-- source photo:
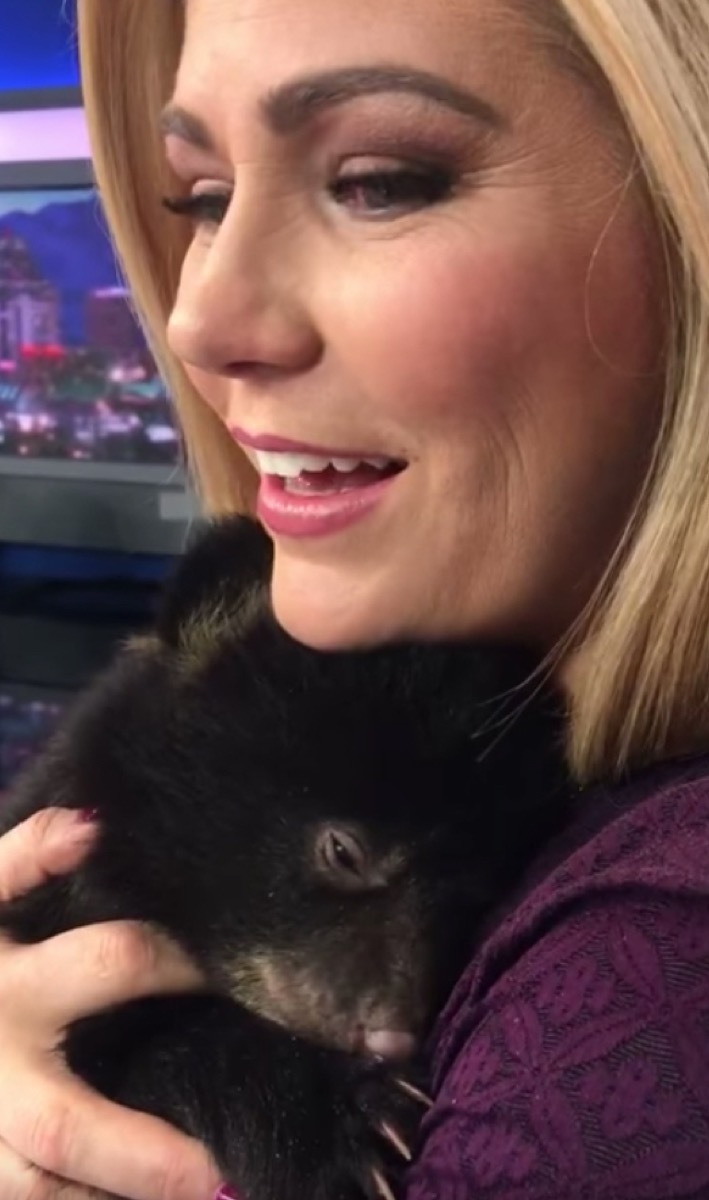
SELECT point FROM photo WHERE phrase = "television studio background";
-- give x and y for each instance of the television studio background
(93, 502)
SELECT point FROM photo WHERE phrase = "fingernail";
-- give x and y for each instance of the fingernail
(88, 815)
(225, 1193)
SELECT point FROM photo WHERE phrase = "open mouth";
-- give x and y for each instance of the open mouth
(311, 474)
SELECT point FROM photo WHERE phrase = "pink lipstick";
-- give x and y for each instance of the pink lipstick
(311, 491)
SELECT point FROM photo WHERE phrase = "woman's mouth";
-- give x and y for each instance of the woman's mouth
(312, 474)
(308, 494)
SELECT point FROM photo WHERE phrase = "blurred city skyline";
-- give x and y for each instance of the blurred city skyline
(77, 380)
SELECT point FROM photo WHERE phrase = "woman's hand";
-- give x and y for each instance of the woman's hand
(53, 1128)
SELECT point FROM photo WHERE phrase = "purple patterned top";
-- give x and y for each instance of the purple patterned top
(572, 1061)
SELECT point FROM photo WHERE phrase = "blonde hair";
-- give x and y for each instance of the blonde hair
(641, 692)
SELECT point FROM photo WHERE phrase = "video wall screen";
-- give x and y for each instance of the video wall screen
(38, 47)
(26, 724)
(77, 381)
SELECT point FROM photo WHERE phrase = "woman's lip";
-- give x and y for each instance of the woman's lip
(267, 441)
(297, 515)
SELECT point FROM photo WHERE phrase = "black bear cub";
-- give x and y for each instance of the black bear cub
(323, 833)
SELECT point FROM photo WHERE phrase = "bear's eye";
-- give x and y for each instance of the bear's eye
(343, 857)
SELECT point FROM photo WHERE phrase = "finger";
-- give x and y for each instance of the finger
(49, 843)
(20, 1180)
(91, 969)
(68, 1131)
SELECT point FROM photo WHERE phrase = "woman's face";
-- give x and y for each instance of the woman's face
(419, 241)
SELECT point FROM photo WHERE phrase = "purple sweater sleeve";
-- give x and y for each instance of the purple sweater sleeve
(572, 1062)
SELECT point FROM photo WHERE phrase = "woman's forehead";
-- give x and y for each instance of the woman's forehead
(377, 27)
(241, 49)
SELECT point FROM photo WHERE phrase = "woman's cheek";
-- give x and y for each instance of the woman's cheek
(434, 331)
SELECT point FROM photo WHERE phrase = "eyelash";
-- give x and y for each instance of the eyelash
(417, 188)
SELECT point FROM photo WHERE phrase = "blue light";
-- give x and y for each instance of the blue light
(37, 46)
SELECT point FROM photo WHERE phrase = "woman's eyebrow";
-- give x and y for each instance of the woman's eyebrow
(287, 108)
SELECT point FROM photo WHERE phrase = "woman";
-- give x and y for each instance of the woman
(449, 333)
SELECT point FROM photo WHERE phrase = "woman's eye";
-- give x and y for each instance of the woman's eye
(381, 193)
(203, 208)
(393, 192)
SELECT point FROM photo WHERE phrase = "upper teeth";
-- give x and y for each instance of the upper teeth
(290, 466)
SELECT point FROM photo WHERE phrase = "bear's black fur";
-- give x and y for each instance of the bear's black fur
(323, 833)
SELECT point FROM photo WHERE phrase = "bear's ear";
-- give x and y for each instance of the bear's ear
(223, 578)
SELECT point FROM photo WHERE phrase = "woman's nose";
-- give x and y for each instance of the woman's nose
(242, 305)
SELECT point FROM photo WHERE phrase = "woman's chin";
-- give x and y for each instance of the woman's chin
(325, 616)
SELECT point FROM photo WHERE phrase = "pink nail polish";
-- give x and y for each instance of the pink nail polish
(225, 1193)
(88, 815)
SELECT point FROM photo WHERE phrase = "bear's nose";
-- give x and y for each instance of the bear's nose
(389, 1043)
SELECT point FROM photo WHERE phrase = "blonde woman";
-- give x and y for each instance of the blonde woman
(430, 281)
